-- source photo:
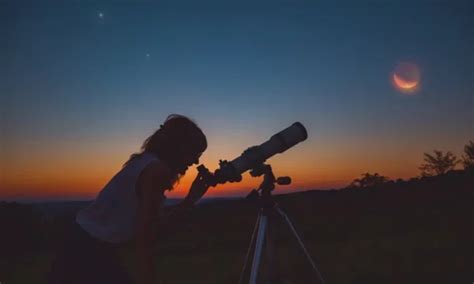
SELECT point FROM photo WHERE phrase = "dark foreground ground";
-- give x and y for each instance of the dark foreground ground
(417, 231)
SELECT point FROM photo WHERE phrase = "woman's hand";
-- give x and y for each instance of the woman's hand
(198, 189)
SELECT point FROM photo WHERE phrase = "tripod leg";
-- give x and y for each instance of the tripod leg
(308, 257)
(258, 249)
(252, 240)
(270, 251)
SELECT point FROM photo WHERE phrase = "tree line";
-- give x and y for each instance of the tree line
(436, 163)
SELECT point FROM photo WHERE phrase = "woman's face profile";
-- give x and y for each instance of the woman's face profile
(188, 159)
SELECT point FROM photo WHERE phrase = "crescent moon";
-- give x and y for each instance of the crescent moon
(403, 84)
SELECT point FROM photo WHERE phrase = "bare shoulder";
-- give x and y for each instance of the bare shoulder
(157, 167)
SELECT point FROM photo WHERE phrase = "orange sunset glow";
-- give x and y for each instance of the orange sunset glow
(66, 174)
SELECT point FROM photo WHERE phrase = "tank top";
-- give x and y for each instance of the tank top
(111, 217)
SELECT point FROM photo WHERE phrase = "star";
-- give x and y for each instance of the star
(101, 15)
(148, 55)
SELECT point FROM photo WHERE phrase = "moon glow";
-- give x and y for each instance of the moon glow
(406, 85)
(406, 77)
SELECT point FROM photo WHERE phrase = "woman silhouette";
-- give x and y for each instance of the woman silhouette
(129, 207)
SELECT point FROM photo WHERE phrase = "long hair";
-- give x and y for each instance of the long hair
(175, 136)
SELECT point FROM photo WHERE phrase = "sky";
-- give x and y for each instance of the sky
(86, 82)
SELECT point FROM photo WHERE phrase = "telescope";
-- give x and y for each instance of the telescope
(263, 236)
(255, 156)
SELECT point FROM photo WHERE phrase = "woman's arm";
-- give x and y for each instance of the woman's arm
(150, 188)
(176, 213)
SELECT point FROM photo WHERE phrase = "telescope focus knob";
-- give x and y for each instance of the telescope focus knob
(283, 180)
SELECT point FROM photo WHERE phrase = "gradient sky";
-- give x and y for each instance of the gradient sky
(86, 82)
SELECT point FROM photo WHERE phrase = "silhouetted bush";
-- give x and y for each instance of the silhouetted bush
(439, 163)
(468, 157)
(369, 180)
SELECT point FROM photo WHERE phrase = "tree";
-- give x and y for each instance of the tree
(439, 163)
(368, 180)
(468, 157)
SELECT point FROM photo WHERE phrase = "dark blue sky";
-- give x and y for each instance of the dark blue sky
(243, 70)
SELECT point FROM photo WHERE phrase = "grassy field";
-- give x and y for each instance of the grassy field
(409, 235)
(418, 256)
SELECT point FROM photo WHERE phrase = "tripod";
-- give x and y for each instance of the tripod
(268, 212)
